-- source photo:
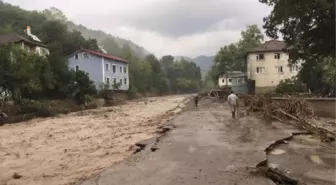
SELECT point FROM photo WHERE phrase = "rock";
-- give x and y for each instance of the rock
(16, 176)
(144, 143)
(154, 148)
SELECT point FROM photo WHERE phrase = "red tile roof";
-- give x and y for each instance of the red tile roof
(101, 55)
(272, 45)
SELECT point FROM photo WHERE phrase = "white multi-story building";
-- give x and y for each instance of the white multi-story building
(268, 64)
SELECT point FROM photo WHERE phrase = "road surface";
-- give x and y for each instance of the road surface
(206, 147)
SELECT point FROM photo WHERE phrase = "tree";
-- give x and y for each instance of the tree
(319, 75)
(55, 14)
(80, 85)
(167, 61)
(23, 74)
(156, 66)
(308, 27)
(232, 56)
(251, 38)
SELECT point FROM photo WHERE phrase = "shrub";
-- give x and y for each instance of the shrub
(80, 86)
(289, 86)
(39, 108)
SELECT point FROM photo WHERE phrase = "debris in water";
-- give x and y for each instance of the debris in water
(154, 148)
(16, 176)
(316, 159)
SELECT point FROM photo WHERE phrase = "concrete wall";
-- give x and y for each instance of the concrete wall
(271, 76)
(324, 107)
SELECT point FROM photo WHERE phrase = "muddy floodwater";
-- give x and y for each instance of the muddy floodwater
(65, 149)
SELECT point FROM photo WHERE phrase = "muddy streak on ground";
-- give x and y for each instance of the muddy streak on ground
(206, 147)
(64, 149)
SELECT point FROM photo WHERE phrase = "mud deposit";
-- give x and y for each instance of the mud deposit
(65, 149)
(304, 159)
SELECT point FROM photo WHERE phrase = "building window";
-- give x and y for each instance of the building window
(240, 80)
(280, 69)
(125, 81)
(77, 68)
(114, 81)
(260, 69)
(277, 56)
(107, 80)
(294, 68)
(114, 68)
(223, 80)
(260, 56)
(120, 68)
(107, 67)
(76, 56)
(230, 80)
(125, 69)
(86, 55)
(120, 81)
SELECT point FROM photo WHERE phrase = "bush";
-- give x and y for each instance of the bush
(132, 92)
(39, 108)
(80, 86)
(289, 86)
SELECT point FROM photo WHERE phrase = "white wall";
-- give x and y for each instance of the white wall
(270, 76)
(222, 81)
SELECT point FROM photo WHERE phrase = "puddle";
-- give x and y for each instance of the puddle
(304, 158)
(277, 151)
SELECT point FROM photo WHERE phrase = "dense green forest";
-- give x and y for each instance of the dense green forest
(34, 77)
(113, 45)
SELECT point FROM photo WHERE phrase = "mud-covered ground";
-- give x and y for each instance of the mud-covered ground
(65, 149)
(208, 147)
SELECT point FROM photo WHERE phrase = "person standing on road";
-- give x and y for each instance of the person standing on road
(233, 102)
(196, 100)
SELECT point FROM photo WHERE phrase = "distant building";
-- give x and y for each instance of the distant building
(28, 42)
(268, 64)
(237, 80)
(101, 67)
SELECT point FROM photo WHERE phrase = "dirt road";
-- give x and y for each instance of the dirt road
(65, 149)
(208, 147)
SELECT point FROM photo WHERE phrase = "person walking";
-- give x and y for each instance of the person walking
(233, 102)
(196, 100)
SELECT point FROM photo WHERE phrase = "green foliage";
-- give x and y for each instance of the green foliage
(28, 76)
(289, 86)
(319, 75)
(80, 85)
(39, 108)
(308, 27)
(232, 56)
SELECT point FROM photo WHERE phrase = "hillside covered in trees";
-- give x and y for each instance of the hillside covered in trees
(113, 45)
(35, 77)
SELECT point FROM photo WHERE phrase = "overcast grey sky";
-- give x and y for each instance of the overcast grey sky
(177, 27)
